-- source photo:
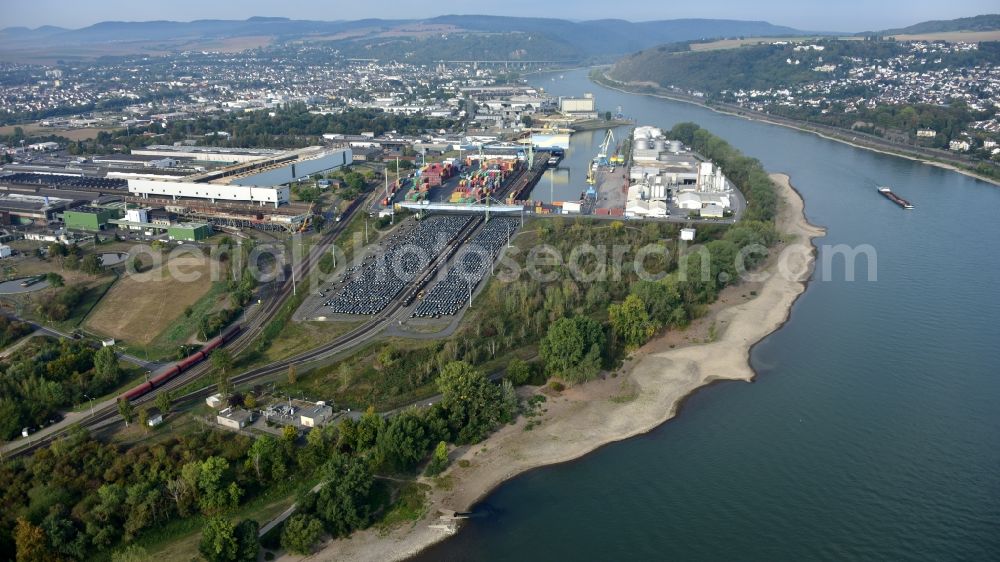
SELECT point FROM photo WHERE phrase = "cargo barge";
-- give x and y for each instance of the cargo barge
(888, 194)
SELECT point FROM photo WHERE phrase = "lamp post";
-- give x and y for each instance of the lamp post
(91, 404)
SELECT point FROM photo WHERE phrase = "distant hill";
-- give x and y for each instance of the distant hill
(986, 22)
(559, 39)
(614, 37)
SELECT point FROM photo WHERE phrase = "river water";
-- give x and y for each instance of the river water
(873, 429)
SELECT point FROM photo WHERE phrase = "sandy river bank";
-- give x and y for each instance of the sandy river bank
(646, 393)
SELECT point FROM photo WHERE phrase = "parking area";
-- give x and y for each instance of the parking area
(469, 267)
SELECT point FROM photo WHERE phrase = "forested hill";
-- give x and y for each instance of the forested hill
(986, 22)
(750, 67)
(760, 67)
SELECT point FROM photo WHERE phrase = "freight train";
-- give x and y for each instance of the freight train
(165, 374)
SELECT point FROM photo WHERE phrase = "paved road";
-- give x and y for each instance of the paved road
(13, 287)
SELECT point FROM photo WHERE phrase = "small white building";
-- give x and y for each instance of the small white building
(571, 207)
(688, 200)
(636, 208)
(959, 145)
(658, 209)
(712, 211)
(155, 418)
(5, 251)
(214, 401)
(234, 418)
(687, 234)
(137, 215)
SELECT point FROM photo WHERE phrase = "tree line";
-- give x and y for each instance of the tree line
(80, 497)
(47, 375)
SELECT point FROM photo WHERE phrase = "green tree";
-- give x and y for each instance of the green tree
(300, 533)
(247, 541)
(30, 542)
(106, 366)
(222, 361)
(471, 401)
(508, 401)
(162, 402)
(92, 264)
(630, 320)
(143, 416)
(265, 458)
(54, 279)
(369, 427)
(404, 441)
(439, 460)
(518, 371)
(343, 504)
(216, 492)
(562, 348)
(218, 540)
(125, 410)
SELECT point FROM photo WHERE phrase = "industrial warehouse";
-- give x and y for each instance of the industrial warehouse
(225, 187)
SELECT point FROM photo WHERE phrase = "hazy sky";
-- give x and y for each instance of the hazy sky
(814, 15)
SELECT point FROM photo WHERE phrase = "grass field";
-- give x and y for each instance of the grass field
(72, 134)
(142, 306)
(733, 43)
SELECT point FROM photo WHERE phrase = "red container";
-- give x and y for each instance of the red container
(136, 392)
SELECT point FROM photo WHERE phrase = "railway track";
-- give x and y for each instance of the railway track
(238, 345)
(108, 416)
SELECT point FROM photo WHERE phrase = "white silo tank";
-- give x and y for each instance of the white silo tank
(675, 146)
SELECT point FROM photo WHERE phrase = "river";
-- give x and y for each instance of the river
(873, 429)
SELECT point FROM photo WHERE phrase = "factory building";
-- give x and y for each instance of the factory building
(207, 153)
(189, 231)
(325, 162)
(177, 190)
(89, 218)
(584, 107)
(21, 209)
(664, 170)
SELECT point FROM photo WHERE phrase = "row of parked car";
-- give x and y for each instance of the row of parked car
(402, 256)
(471, 266)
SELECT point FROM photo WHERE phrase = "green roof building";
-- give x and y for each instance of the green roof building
(189, 231)
(89, 218)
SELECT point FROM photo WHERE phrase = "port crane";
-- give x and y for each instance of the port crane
(602, 156)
